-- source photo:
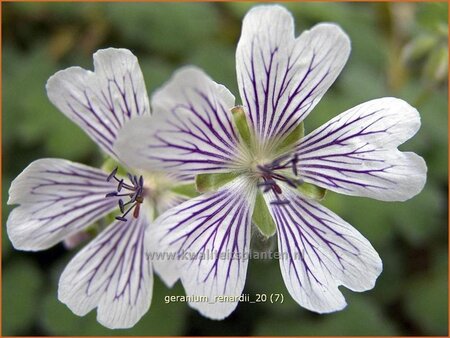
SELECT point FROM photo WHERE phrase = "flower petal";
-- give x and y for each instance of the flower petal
(320, 251)
(57, 199)
(281, 78)
(356, 152)
(112, 273)
(191, 130)
(205, 242)
(100, 102)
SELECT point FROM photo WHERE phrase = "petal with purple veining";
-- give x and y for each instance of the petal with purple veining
(356, 152)
(100, 102)
(56, 198)
(320, 251)
(190, 131)
(205, 242)
(112, 273)
(281, 78)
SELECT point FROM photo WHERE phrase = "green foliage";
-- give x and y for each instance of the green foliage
(361, 316)
(22, 283)
(171, 30)
(426, 299)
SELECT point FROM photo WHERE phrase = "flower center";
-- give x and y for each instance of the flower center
(135, 192)
(270, 174)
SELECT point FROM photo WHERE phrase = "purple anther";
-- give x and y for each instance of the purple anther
(280, 202)
(121, 206)
(112, 175)
(120, 185)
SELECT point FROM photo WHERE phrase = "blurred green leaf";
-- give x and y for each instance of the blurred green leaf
(388, 290)
(21, 290)
(6, 244)
(424, 224)
(209, 55)
(430, 15)
(419, 47)
(360, 317)
(155, 71)
(163, 26)
(372, 218)
(427, 300)
(257, 281)
(40, 120)
(436, 68)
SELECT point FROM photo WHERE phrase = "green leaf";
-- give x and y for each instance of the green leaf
(428, 208)
(6, 244)
(360, 318)
(241, 123)
(262, 217)
(188, 190)
(426, 300)
(165, 21)
(312, 191)
(436, 67)
(21, 291)
(212, 182)
(217, 52)
(419, 47)
(292, 138)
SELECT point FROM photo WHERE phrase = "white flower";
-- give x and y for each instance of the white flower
(58, 198)
(259, 151)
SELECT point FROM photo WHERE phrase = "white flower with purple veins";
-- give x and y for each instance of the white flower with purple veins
(259, 169)
(59, 200)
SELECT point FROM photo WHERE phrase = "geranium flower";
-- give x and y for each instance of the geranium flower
(258, 168)
(59, 199)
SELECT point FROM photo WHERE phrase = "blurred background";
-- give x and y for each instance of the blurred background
(398, 49)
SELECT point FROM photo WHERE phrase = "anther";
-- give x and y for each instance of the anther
(113, 174)
(280, 202)
(121, 206)
(119, 187)
(294, 164)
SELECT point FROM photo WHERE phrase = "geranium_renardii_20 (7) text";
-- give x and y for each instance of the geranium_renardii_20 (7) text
(256, 168)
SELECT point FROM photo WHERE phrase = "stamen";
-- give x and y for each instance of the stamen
(135, 194)
(280, 202)
(113, 174)
(121, 206)
(120, 186)
(270, 176)
(294, 164)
